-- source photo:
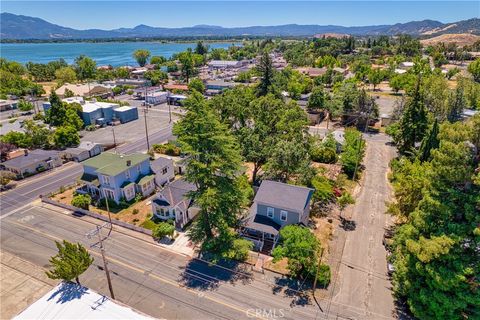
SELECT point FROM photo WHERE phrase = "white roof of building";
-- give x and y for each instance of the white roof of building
(124, 108)
(74, 99)
(224, 63)
(90, 106)
(71, 301)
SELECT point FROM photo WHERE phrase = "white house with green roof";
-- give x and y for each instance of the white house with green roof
(118, 176)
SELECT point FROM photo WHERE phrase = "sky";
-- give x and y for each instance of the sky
(118, 13)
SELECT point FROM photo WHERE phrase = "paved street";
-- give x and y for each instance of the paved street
(159, 282)
(363, 281)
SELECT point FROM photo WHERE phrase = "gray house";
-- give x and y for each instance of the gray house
(32, 162)
(275, 205)
(173, 203)
(85, 150)
(163, 169)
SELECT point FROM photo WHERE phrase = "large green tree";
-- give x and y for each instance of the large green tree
(141, 56)
(435, 251)
(413, 123)
(57, 114)
(474, 69)
(85, 67)
(213, 165)
(70, 262)
(302, 249)
(266, 72)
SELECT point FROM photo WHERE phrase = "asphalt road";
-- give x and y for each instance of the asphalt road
(153, 280)
(31, 188)
(363, 282)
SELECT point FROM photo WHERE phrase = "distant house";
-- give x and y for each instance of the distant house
(176, 99)
(177, 87)
(313, 72)
(32, 162)
(92, 89)
(217, 86)
(224, 64)
(8, 105)
(275, 206)
(173, 203)
(157, 97)
(84, 151)
(118, 176)
(164, 170)
(339, 137)
(406, 64)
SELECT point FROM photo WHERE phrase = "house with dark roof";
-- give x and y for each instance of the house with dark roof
(117, 176)
(32, 162)
(275, 206)
(174, 203)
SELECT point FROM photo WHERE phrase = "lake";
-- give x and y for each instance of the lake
(105, 53)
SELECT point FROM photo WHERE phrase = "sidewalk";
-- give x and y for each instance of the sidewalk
(21, 283)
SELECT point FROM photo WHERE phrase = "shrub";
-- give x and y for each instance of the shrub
(324, 275)
(241, 247)
(323, 189)
(323, 154)
(167, 148)
(353, 152)
(135, 211)
(81, 201)
(163, 229)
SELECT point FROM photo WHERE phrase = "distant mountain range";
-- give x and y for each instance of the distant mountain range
(18, 27)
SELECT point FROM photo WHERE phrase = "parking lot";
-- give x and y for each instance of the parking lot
(157, 119)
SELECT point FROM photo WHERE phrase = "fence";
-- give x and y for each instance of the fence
(96, 216)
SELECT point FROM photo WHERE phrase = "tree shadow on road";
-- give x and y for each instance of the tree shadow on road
(292, 288)
(347, 225)
(201, 275)
(68, 291)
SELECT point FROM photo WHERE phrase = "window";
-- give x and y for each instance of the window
(129, 194)
(127, 174)
(173, 212)
(164, 170)
(270, 212)
(162, 212)
(138, 169)
(283, 215)
(106, 180)
(108, 194)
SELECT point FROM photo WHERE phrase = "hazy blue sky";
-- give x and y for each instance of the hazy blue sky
(114, 14)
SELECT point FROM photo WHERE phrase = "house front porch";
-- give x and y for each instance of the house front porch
(262, 231)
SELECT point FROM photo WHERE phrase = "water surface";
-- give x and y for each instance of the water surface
(105, 53)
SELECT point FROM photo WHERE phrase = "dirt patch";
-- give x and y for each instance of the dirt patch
(135, 214)
(279, 266)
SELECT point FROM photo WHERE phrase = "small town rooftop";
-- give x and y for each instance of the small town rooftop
(112, 164)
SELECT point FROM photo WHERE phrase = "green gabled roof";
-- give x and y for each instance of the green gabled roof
(145, 178)
(90, 178)
(112, 164)
(126, 184)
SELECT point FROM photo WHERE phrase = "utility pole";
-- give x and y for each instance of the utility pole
(169, 112)
(114, 140)
(89, 235)
(145, 117)
(109, 215)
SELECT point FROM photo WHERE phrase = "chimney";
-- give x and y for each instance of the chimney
(25, 152)
(129, 163)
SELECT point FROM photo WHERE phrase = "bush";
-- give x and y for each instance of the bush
(135, 211)
(162, 230)
(81, 201)
(323, 189)
(324, 275)
(167, 148)
(353, 152)
(240, 249)
(323, 154)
